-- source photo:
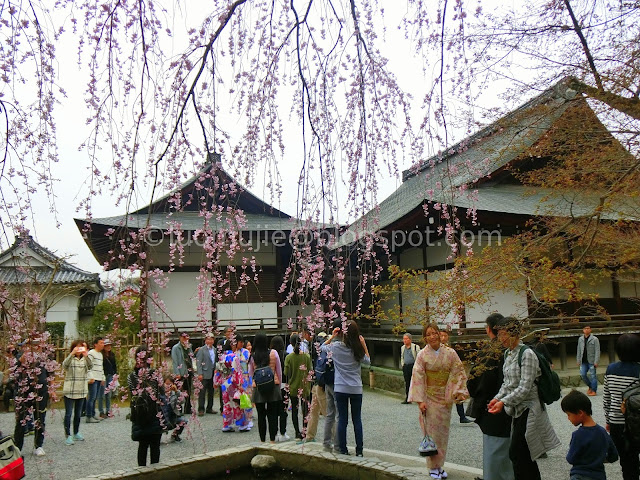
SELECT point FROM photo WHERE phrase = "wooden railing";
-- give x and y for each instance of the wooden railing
(557, 327)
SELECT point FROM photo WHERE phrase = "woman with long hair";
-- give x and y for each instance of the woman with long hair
(348, 352)
(75, 388)
(437, 381)
(266, 402)
(277, 344)
(298, 369)
(146, 429)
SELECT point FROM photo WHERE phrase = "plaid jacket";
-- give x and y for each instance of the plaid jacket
(75, 376)
(519, 390)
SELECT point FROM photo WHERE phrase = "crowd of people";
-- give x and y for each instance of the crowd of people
(319, 373)
(505, 387)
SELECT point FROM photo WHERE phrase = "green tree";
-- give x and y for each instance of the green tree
(119, 314)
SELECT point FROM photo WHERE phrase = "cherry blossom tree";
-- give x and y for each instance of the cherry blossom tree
(307, 86)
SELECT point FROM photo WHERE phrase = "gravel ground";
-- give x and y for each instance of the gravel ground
(388, 426)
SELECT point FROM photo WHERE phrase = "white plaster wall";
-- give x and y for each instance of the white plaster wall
(413, 299)
(180, 297)
(437, 254)
(65, 310)
(629, 285)
(449, 318)
(411, 259)
(249, 314)
(24, 257)
(390, 304)
(507, 302)
(594, 283)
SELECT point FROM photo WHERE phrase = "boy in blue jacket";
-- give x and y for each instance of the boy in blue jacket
(591, 446)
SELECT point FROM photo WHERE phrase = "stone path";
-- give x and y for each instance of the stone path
(391, 432)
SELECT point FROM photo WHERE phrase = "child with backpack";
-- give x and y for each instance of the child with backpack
(172, 410)
(618, 378)
(591, 446)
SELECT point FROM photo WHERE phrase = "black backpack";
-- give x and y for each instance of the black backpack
(144, 409)
(264, 380)
(549, 382)
(324, 370)
(631, 402)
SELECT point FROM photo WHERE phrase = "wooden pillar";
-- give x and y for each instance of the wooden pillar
(396, 354)
(563, 354)
(611, 346)
(372, 349)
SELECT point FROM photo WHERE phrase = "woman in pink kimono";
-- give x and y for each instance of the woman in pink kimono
(437, 381)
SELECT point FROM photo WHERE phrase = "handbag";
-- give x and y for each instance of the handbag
(11, 463)
(245, 401)
(427, 447)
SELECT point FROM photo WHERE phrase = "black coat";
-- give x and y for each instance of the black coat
(485, 380)
(140, 429)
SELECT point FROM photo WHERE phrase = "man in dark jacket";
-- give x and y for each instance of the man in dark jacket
(484, 382)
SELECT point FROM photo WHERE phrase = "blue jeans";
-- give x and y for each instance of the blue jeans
(101, 387)
(588, 374)
(342, 401)
(91, 400)
(72, 405)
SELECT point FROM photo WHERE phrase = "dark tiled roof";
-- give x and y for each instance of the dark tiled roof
(65, 273)
(439, 179)
(194, 221)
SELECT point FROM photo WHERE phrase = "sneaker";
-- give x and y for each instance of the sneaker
(250, 425)
(405, 403)
(244, 428)
(39, 452)
(278, 438)
(327, 448)
(93, 420)
(435, 473)
(103, 415)
(69, 440)
(298, 436)
(359, 455)
(465, 420)
(592, 393)
(284, 437)
(443, 474)
(227, 429)
(176, 438)
(78, 437)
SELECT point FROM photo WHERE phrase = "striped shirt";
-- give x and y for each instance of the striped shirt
(618, 377)
(519, 390)
(75, 376)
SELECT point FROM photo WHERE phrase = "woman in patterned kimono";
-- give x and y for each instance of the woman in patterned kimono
(437, 381)
(229, 377)
(243, 356)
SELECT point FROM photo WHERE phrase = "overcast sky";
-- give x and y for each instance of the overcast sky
(72, 171)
